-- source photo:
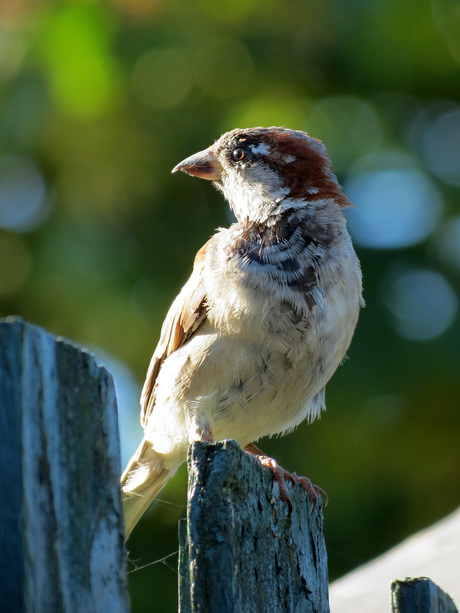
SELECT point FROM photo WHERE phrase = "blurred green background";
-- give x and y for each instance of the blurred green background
(99, 100)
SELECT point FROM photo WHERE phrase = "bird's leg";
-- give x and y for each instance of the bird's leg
(200, 431)
(281, 475)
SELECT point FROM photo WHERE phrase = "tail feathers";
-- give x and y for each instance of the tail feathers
(141, 483)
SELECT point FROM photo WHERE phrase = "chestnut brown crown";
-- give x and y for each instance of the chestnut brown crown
(267, 165)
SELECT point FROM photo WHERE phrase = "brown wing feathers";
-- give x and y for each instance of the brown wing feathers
(185, 316)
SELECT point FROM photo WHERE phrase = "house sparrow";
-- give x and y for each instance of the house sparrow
(266, 317)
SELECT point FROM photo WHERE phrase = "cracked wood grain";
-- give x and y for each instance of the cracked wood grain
(61, 529)
(240, 550)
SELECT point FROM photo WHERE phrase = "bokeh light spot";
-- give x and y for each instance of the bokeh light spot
(447, 17)
(223, 67)
(441, 147)
(269, 110)
(395, 207)
(23, 204)
(422, 303)
(82, 71)
(12, 53)
(349, 128)
(161, 78)
(434, 134)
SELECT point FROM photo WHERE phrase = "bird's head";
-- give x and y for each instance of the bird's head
(262, 171)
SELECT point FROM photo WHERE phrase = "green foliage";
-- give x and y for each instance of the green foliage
(99, 100)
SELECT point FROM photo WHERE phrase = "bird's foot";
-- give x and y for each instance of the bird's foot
(281, 476)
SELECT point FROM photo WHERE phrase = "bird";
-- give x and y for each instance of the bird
(264, 320)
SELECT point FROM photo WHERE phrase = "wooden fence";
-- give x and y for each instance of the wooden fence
(61, 533)
(61, 525)
(239, 549)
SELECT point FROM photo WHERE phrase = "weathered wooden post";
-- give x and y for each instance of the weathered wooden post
(240, 551)
(420, 595)
(61, 529)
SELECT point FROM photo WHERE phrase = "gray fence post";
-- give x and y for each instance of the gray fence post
(240, 551)
(420, 595)
(61, 528)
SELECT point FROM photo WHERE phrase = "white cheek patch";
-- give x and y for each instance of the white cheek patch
(252, 191)
(288, 159)
(262, 148)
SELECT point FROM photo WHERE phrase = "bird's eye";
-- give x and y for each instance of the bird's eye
(239, 154)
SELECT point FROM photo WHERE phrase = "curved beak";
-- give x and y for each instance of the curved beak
(203, 165)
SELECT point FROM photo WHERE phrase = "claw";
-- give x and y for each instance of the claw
(314, 492)
(281, 475)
